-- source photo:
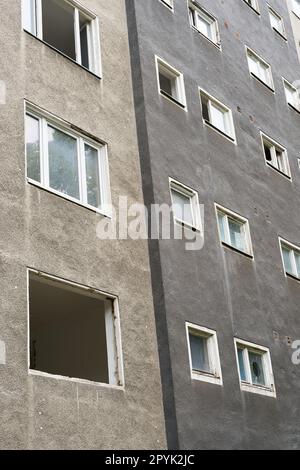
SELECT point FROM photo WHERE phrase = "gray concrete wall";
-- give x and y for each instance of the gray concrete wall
(216, 287)
(45, 232)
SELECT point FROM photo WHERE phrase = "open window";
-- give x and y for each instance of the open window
(234, 230)
(170, 83)
(217, 115)
(67, 28)
(74, 331)
(276, 156)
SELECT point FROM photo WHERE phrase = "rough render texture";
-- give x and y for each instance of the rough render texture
(48, 233)
(217, 287)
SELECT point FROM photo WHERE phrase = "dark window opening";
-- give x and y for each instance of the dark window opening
(84, 24)
(204, 102)
(166, 84)
(268, 153)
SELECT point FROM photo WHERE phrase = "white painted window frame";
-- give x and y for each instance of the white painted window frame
(103, 165)
(194, 202)
(93, 35)
(259, 60)
(197, 8)
(213, 355)
(113, 332)
(227, 112)
(247, 386)
(296, 8)
(287, 84)
(168, 3)
(273, 12)
(227, 213)
(273, 164)
(254, 8)
(162, 65)
(292, 248)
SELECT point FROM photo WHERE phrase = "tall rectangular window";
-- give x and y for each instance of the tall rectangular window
(260, 69)
(276, 22)
(204, 22)
(66, 27)
(234, 230)
(170, 82)
(66, 163)
(185, 205)
(291, 258)
(217, 115)
(291, 95)
(276, 156)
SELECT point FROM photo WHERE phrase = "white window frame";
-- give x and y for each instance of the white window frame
(46, 119)
(270, 83)
(162, 65)
(93, 38)
(296, 8)
(227, 112)
(273, 12)
(299, 163)
(247, 386)
(254, 7)
(169, 4)
(290, 246)
(273, 165)
(113, 331)
(213, 355)
(194, 201)
(197, 8)
(246, 230)
(287, 84)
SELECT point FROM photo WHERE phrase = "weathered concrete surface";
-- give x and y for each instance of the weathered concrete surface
(48, 233)
(216, 287)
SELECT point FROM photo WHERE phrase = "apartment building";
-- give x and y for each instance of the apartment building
(78, 352)
(218, 124)
(294, 9)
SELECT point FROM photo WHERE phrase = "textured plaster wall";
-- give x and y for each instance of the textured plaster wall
(216, 287)
(48, 233)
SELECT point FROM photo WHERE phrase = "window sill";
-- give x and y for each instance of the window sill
(280, 34)
(63, 55)
(217, 45)
(38, 373)
(206, 377)
(248, 255)
(292, 276)
(68, 198)
(262, 82)
(268, 392)
(294, 108)
(173, 100)
(252, 8)
(279, 171)
(231, 139)
(182, 224)
(171, 8)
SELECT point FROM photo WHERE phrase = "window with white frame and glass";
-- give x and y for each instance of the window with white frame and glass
(291, 95)
(234, 230)
(170, 82)
(296, 7)
(259, 68)
(66, 27)
(291, 258)
(255, 368)
(276, 21)
(253, 4)
(217, 115)
(185, 205)
(204, 22)
(203, 354)
(276, 156)
(66, 162)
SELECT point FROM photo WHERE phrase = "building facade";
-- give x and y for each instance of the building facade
(79, 361)
(294, 9)
(218, 124)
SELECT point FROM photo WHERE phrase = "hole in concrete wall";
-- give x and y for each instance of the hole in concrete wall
(71, 331)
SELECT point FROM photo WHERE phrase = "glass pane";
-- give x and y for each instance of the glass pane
(63, 163)
(286, 253)
(257, 371)
(243, 376)
(199, 353)
(33, 148)
(166, 84)
(222, 222)
(297, 259)
(58, 26)
(182, 207)
(29, 16)
(237, 235)
(84, 40)
(92, 176)
(218, 117)
(204, 26)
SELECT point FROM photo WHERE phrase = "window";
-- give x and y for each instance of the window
(291, 94)
(217, 115)
(260, 69)
(65, 27)
(255, 369)
(296, 7)
(204, 22)
(185, 205)
(74, 331)
(276, 22)
(168, 3)
(291, 258)
(203, 354)
(65, 162)
(253, 4)
(234, 230)
(170, 83)
(276, 156)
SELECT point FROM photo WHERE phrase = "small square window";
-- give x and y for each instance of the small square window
(204, 23)
(170, 83)
(276, 22)
(217, 115)
(234, 230)
(276, 156)
(185, 205)
(253, 4)
(291, 95)
(260, 69)
(291, 258)
(203, 354)
(254, 367)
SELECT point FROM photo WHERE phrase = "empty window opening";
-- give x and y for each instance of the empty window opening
(72, 331)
